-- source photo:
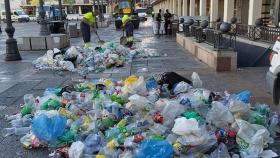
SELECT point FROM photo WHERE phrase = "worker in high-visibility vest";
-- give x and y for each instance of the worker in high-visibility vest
(88, 21)
(128, 26)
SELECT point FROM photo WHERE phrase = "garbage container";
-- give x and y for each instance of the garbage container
(174, 28)
(136, 23)
(73, 30)
(118, 23)
(55, 26)
(186, 29)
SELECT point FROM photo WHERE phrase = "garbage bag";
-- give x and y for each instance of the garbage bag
(93, 144)
(71, 54)
(76, 150)
(197, 83)
(171, 111)
(220, 152)
(219, 115)
(185, 126)
(155, 149)
(189, 131)
(251, 138)
(137, 102)
(171, 78)
(140, 86)
(181, 87)
(244, 96)
(48, 129)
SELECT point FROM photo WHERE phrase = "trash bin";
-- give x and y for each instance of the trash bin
(73, 30)
(55, 26)
(136, 23)
(174, 28)
(186, 29)
(118, 24)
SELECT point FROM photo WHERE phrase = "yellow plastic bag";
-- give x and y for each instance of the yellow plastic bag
(130, 81)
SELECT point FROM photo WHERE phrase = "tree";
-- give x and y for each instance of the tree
(34, 2)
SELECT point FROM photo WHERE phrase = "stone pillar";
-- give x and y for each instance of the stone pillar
(80, 10)
(192, 7)
(202, 8)
(214, 7)
(185, 8)
(175, 8)
(228, 10)
(255, 11)
(179, 8)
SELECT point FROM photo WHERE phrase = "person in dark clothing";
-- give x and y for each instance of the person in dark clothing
(167, 18)
(128, 26)
(158, 19)
(89, 20)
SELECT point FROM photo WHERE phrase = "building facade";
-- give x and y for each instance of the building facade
(69, 6)
(246, 11)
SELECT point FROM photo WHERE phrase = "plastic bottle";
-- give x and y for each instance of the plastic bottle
(197, 83)
(29, 99)
(23, 122)
(274, 120)
(17, 131)
(12, 117)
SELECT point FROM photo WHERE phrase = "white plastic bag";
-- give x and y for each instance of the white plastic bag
(197, 83)
(257, 136)
(67, 65)
(185, 126)
(182, 87)
(71, 52)
(171, 111)
(219, 115)
(140, 87)
(76, 150)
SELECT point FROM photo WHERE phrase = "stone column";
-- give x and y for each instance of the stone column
(80, 10)
(192, 7)
(255, 11)
(228, 10)
(179, 8)
(202, 8)
(175, 8)
(214, 6)
(185, 8)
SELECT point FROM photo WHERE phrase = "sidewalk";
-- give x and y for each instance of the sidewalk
(19, 78)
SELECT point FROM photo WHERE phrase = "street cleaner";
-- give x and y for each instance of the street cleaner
(128, 27)
(89, 20)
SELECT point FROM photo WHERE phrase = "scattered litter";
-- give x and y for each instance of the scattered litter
(164, 115)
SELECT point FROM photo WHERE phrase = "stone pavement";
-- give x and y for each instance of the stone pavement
(19, 78)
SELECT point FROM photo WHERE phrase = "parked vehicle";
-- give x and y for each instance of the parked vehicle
(142, 13)
(52, 13)
(16, 16)
(273, 75)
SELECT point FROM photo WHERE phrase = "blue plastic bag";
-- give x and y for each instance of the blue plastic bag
(151, 84)
(48, 129)
(244, 96)
(155, 149)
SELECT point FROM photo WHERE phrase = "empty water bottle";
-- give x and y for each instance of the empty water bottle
(17, 131)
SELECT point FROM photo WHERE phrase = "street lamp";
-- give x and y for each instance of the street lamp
(61, 29)
(12, 52)
(44, 30)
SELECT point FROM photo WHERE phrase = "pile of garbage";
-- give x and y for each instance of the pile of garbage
(162, 116)
(83, 61)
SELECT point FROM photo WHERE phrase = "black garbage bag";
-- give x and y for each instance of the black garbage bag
(171, 78)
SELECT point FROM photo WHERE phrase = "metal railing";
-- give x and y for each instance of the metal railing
(262, 33)
(210, 36)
